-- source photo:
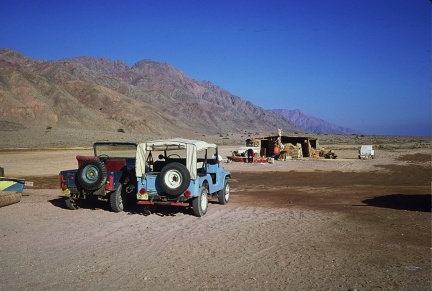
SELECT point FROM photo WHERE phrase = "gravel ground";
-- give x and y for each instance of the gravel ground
(307, 224)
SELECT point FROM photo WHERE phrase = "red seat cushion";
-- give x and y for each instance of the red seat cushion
(112, 165)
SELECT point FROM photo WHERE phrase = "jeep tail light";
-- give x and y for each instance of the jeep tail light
(62, 184)
(187, 193)
(142, 191)
(109, 185)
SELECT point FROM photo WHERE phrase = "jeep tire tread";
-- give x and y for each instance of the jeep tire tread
(118, 199)
(200, 203)
(224, 193)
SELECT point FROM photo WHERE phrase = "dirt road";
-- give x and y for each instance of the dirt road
(343, 225)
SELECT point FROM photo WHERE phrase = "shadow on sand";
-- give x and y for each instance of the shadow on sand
(58, 202)
(90, 203)
(94, 204)
(414, 202)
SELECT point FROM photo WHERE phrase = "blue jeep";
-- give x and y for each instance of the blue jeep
(108, 175)
(185, 173)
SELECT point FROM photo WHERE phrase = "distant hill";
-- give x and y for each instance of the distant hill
(101, 94)
(312, 124)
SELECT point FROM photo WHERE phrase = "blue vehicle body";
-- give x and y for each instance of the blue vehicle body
(187, 173)
(214, 178)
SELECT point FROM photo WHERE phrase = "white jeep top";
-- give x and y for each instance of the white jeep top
(191, 147)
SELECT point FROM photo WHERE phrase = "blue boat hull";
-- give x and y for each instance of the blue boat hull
(11, 184)
(10, 190)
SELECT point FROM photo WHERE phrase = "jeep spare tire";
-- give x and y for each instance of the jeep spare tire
(92, 174)
(174, 179)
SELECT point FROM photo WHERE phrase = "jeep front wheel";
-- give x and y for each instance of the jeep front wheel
(200, 204)
(92, 174)
(174, 179)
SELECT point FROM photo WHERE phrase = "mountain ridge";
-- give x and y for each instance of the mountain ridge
(148, 97)
(313, 124)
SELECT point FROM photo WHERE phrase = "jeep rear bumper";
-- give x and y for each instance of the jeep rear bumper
(183, 204)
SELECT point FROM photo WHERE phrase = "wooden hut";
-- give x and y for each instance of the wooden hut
(270, 146)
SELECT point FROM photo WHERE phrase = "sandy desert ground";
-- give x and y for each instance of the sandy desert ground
(344, 224)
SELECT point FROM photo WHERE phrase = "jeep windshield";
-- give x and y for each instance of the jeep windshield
(115, 150)
(209, 153)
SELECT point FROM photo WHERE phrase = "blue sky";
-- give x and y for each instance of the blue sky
(364, 64)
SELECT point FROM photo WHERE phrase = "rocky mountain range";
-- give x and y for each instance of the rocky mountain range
(312, 124)
(100, 94)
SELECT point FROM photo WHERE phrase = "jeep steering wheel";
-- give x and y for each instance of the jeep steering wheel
(103, 157)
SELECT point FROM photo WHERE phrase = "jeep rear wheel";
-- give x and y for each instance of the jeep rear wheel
(200, 204)
(224, 194)
(92, 174)
(118, 199)
(174, 179)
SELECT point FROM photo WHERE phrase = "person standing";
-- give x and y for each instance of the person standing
(250, 154)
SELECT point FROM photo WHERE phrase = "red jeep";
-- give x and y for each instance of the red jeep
(107, 175)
